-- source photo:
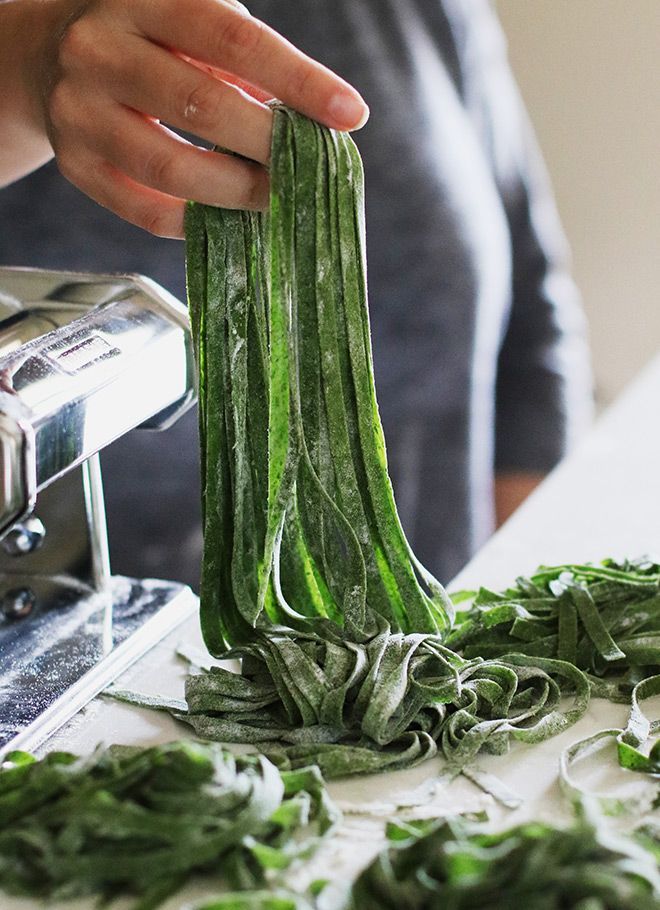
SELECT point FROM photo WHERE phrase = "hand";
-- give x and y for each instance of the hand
(116, 70)
(511, 490)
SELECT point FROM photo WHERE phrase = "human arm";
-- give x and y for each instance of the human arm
(511, 489)
(544, 383)
(24, 145)
(91, 82)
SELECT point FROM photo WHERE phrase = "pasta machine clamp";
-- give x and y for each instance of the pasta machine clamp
(83, 360)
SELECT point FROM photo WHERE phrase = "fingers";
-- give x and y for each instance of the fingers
(119, 67)
(222, 35)
(146, 208)
(238, 5)
(153, 81)
(131, 149)
(155, 157)
(232, 80)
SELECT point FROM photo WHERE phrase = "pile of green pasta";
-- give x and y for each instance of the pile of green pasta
(461, 865)
(143, 820)
(392, 702)
(444, 702)
(351, 655)
(604, 619)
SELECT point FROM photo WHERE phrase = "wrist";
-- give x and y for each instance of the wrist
(511, 490)
(29, 37)
(45, 21)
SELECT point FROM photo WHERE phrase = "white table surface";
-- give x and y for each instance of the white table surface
(604, 500)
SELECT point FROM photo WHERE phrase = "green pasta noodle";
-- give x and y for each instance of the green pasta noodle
(462, 865)
(142, 821)
(307, 574)
(603, 618)
(352, 655)
(636, 751)
(300, 524)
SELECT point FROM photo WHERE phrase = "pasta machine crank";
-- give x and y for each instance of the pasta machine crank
(83, 360)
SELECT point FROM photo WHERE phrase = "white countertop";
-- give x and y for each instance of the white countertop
(602, 501)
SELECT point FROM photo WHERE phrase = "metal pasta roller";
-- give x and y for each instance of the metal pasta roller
(83, 360)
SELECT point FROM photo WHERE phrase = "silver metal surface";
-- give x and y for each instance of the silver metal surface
(25, 537)
(116, 353)
(83, 360)
(73, 557)
(54, 661)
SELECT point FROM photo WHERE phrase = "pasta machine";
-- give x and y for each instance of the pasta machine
(83, 360)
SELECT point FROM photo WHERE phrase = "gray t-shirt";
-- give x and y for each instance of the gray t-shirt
(481, 362)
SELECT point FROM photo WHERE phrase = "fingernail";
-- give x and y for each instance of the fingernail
(349, 110)
(241, 7)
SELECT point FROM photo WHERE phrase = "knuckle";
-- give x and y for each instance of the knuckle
(154, 220)
(160, 171)
(76, 43)
(301, 81)
(255, 190)
(240, 37)
(87, 46)
(200, 105)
